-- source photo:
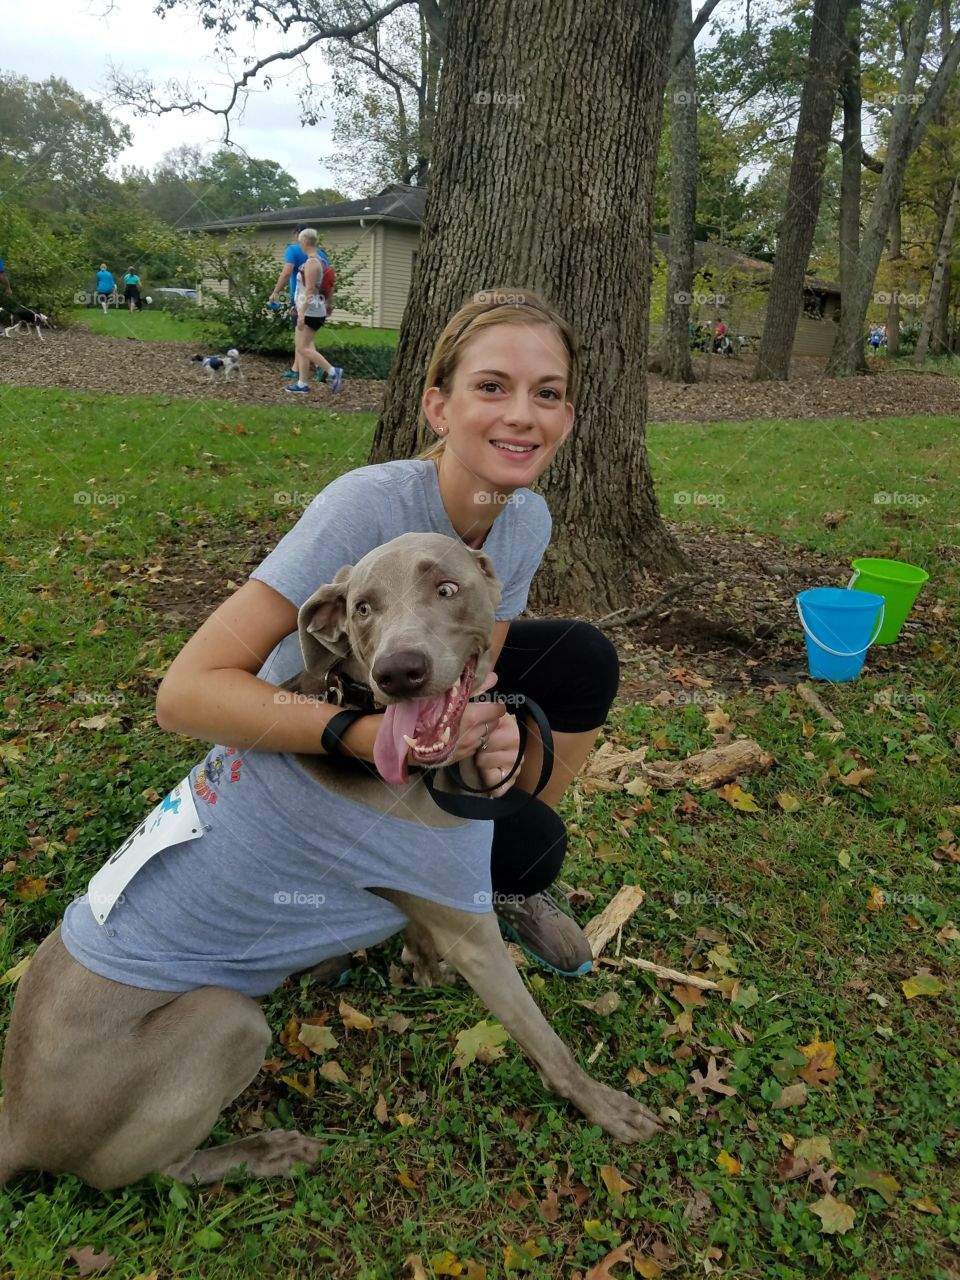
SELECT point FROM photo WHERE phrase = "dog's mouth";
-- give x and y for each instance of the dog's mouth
(427, 725)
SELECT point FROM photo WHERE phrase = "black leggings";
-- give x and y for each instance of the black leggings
(571, 670)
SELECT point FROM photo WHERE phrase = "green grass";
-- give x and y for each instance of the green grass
(177, 495)
(155, 325)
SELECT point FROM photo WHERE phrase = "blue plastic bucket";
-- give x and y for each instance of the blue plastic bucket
(840, 626)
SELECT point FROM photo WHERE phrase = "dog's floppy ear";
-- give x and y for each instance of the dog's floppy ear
(491, 581)
(322, 623)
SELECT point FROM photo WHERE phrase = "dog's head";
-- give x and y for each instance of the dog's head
(414, 620)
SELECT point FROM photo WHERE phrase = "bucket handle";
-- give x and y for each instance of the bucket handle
(856, 575)
(838, 653)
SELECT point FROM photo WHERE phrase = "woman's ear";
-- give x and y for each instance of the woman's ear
(434, 404)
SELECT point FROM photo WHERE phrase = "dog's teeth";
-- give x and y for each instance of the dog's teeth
(445, 736)
(411, 742)
(455, 687)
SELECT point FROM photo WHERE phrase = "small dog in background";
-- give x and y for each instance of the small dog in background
(23, 320)
(224, 366)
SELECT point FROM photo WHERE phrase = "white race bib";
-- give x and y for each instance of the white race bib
(171, 822)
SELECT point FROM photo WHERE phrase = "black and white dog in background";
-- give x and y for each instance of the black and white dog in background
(23, 320)
(226, 366)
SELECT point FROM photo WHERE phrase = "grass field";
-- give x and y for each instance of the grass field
(819, 904)
(155, 325)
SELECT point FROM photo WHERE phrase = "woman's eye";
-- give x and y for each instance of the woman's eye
(447, 589)
(362, 610)
(489, 386)
(549, 391)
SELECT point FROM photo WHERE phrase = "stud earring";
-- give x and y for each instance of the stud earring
(441, 431)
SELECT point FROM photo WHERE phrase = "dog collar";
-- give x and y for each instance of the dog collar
(344, 692)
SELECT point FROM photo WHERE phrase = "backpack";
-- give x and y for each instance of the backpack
(328, 282)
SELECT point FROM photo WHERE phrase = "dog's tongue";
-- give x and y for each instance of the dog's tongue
(390, 750)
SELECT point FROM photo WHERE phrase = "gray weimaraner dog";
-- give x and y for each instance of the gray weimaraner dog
(112, 1081)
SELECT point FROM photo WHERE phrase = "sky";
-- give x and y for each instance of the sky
(78, 39)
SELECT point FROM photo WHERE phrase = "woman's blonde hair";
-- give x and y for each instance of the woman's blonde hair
(485, 309)
(309, 235)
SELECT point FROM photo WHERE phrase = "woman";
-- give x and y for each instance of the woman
(131, 291)
(311, 308)
(106, 287)
(500, 394)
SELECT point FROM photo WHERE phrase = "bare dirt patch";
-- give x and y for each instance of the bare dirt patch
(79, 360)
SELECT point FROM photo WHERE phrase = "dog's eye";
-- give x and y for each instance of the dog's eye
(447, 589)
(362, 609)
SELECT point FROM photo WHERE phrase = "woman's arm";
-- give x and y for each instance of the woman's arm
(211, 690)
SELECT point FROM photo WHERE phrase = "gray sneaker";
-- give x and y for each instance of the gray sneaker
(334, 972)
(546, 934)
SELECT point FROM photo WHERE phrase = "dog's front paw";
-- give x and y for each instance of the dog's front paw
(426, 968)
(618, 1114)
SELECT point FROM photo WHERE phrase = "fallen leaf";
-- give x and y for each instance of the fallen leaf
(398, 1023)
(608, 1003)
(718, 721)
(317, 1039)
(835, 1216)
(813, 1149)
(647, 1267)
(333, 1072)
(794, 1095)
(614, 1181)
(856, 777)
(832, 518)
(550, 1206)
(922, 984)
(635, 1076)
(720, 957)
(949, 933)
(413, 1268)
(404, 1120)
(480, 1043)
(354, 1019)
(926, 1205)
(876, 899)
(19, 969)
(100, 629)
(88, 1261)
(746, 997)
(602, 1270)
(10, 753)
(446, 1264)
(30, 888)
(873, 1180)
(729, 1164)
(821, 1065)
(713, 1080)
(738, 799)
(98, 722)
(521, 1257)
(380, 1110)
(305, 1082)
(787, 802)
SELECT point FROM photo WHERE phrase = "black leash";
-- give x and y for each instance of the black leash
(470, 805)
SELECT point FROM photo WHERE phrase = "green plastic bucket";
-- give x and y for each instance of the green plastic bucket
(899, 584)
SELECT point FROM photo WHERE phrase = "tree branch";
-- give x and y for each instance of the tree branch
(699, 22)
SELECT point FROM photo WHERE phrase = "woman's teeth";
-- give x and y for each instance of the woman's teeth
(514, 448)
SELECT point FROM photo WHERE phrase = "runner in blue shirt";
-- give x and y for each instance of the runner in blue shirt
(293, 260)
(4, 281)
(106, 287)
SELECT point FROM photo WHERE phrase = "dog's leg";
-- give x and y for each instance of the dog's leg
(473, 945)
(111, 1082)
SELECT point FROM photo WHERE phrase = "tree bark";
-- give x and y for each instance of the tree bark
(804, 189)
(944, 247)
(851, 150)
(893, 308)
(906, 130)
(540, 182)
(676, 364)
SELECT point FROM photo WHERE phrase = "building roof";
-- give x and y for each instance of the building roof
(708, 251)
(395, 203)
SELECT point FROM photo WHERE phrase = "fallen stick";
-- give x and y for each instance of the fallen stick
(610, 620)
(673, 975)
(812, 699)
(708, 769)
(614, 916)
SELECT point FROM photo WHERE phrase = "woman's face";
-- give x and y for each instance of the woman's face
(505, 415)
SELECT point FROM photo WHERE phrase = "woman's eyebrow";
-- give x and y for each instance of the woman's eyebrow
(499, 373)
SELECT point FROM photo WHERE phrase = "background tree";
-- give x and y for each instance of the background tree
(817, 103)
(502, 210)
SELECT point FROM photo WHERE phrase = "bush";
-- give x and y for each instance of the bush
(359, 362)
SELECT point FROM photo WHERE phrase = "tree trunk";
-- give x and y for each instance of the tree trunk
(906, 130)
(545, 180)
(804, 189)
(939, 274)
(676, 364)
(851, 149)
(893, 308)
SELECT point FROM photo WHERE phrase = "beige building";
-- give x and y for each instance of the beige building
(384, 228)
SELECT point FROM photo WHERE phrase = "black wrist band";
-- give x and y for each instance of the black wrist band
(331, 740)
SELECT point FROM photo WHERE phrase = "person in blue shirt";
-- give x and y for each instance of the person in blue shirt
(131, 291)
(4, 281)
(293, 259)
(106, 287)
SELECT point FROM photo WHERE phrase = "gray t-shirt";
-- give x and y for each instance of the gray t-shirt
(280, 878)
(369, 506)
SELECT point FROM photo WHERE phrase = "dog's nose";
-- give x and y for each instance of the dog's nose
(401, 674)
